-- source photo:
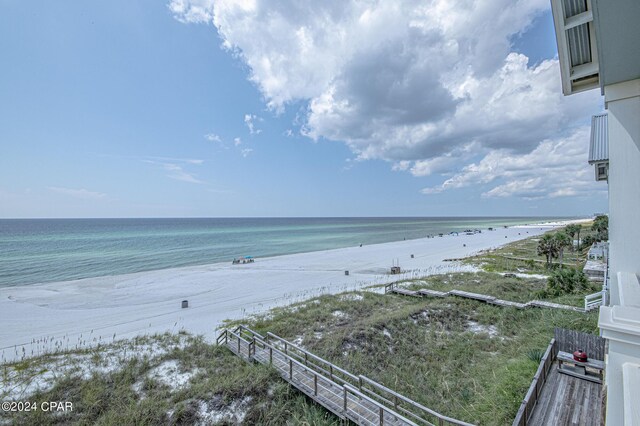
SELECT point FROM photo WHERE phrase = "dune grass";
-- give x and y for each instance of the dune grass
(221, 388)
(462, 358)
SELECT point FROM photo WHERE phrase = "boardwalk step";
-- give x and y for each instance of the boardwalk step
(544, 304)
(486, 298)
(469, 295)
(433, 293)
(406, 292)
(501, 302)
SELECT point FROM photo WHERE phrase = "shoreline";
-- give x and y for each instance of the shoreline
(42, 317)
(45, 252)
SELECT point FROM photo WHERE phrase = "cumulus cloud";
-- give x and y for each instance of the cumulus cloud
(81, 193)
(426, 85)
(555, 168)
(192, 11)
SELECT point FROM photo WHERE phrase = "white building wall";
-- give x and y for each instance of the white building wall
(623, 103)
(620, 322)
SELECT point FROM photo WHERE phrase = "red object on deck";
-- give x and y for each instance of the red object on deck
(580, 355)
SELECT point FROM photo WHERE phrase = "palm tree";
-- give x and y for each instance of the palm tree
(547, 246)
(601, 226)
(571, 231)
(562, 240)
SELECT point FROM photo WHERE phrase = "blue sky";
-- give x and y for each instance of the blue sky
(238, 108)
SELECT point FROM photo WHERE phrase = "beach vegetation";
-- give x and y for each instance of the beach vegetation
(572, 231)
(548, 247)
(601, 227)
(183, 380)
(523, 256)
(561, 240)
(568, 281)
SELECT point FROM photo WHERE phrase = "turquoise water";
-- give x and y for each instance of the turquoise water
(45, 250)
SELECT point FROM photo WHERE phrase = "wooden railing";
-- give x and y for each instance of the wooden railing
(244, 342)
(406, 406)
(321, 365)
(365, 385)
(531, 398)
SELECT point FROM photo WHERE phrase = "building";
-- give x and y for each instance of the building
(598, 47)
(596, 266)
(599, 146)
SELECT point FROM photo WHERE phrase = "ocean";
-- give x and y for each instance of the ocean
(46, 250)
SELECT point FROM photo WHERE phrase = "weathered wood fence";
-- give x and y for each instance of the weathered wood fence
(531, 398)
(571, 340)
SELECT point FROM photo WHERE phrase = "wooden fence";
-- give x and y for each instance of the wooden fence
(531, 398)
(571, 340)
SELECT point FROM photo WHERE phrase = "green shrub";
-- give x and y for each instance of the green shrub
(567, 281)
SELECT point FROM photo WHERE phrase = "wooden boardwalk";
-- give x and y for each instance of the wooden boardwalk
(567, 400)
(391, 288)
(350, 397)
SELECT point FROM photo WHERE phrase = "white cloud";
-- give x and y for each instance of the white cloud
(237, 141)
(194, 161)
(249, 121)
(556, 168)
(212, 137)
(82, 193)
(525, 188)
(246, 151)
(427, 85)
(192, 11)
(158, 160)
(175, 169)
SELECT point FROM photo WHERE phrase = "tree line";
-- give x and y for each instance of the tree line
(552, 246)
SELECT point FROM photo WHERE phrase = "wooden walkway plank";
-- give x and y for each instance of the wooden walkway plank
(433, 293)
(501, 302)
(469, 295)
(567, 400)
(544, 304)
(484, 298)
(406, 292)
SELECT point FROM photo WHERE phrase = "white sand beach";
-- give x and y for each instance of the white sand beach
(36, 318)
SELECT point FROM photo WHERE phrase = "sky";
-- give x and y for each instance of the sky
(255, 108)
